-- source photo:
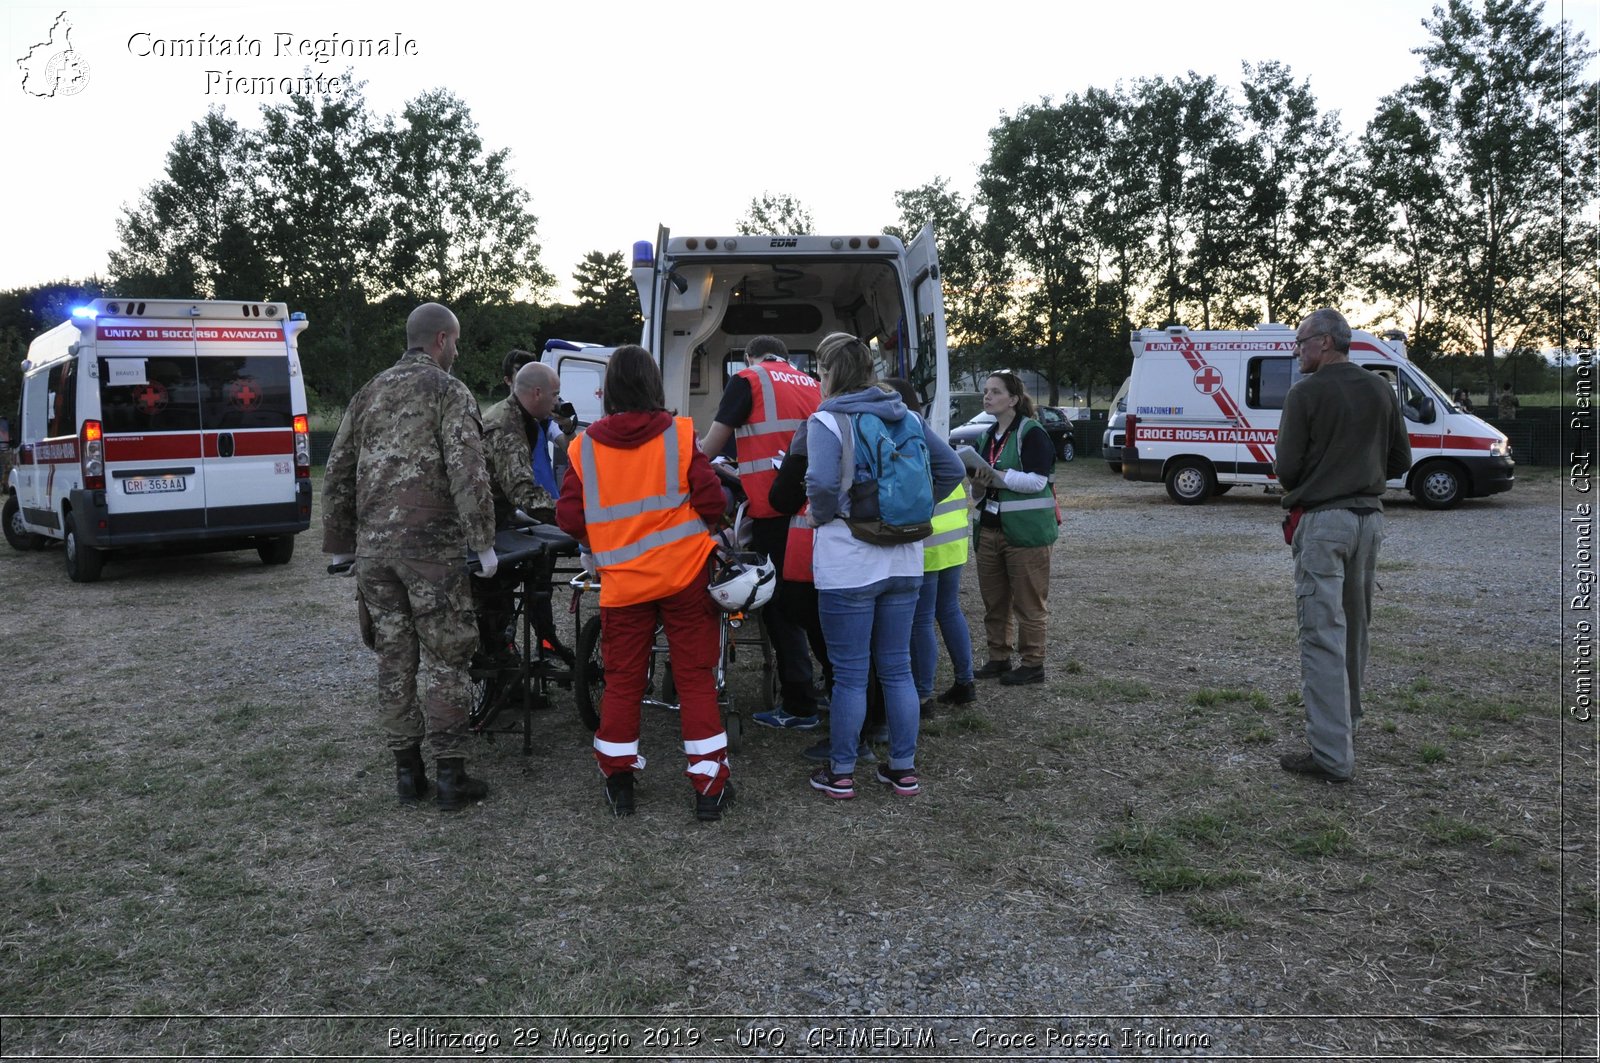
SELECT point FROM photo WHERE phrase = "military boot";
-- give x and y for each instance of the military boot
(410, 775)
(457, 789)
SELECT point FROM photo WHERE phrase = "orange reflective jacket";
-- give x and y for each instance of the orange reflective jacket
(647, 540)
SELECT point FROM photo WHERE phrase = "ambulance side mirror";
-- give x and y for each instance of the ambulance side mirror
(1423, 412)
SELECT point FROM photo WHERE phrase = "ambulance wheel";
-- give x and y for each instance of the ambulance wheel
(17, 533)
(589, 674)
(1069, 449)
(1115, 467)
(276, 551)
(83, 562)
(1190, 481)
(1437, 485)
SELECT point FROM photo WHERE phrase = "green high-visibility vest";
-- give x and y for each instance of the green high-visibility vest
(1028, 518)
(947, 546)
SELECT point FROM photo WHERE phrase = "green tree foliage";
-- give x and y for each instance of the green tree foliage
(24, 314)
(1035, 187)
(1500, 162)
(462, 230)
(778, 213)
(352, 218)
(323, 165)
(608, 305)
(1296, 219)
(194, 231)
(973, 297)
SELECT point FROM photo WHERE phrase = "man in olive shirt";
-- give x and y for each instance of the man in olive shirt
(1341, 438)
(515, 433)
(405, 492)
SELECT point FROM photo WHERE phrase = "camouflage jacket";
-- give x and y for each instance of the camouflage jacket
(406, 475)
(510, 456)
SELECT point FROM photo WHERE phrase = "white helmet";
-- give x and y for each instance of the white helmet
(743, 581)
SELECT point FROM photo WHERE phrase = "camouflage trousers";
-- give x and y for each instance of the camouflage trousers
(424, 635)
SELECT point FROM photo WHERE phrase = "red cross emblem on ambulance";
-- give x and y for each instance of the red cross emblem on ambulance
(243, 394)
(1207, 380)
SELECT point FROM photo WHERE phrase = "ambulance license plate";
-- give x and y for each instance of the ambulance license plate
(150, 485)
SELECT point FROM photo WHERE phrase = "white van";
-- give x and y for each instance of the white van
(581, 368)
(158, 423)
(704, 298)
(1115, 433)
(1204, 407)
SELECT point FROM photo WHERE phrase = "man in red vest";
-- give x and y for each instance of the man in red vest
(760, 410)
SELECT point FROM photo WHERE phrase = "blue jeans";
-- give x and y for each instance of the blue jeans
(940, 600)
(876, 616)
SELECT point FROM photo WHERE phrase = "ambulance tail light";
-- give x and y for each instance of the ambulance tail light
(302, 447)
(92, 447)
(1130, 429)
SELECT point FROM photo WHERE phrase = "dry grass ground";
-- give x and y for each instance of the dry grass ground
(198, 821)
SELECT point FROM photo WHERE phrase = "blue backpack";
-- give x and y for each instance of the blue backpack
(890, 477)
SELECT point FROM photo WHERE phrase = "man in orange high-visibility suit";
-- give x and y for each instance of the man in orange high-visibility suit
(760, 410)
(642, 497)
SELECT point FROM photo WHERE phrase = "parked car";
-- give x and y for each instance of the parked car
(1113, 438)
(967, 434)
(1053, 418)
(1057, 420)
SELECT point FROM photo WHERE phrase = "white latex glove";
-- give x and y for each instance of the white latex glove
(586, 559)
(488, 563)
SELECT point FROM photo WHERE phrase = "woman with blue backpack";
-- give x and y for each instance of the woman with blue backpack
(872, 478)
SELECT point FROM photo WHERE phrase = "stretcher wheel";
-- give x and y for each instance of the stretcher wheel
(771, 687)
(589, 674)
(733, 724)
(669, 686)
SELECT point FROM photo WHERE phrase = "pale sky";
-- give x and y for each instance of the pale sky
(623, 115)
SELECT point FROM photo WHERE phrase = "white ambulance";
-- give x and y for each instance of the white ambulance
(162, 423)
(1204, 407)
(704, 297)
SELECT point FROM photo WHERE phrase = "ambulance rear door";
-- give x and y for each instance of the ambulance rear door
(149, 389)
(247, 413)
(932, 356)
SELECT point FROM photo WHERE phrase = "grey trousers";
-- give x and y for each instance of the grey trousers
(1335, 558)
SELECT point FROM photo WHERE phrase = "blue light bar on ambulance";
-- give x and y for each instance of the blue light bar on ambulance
(644, 254)
(88, 312)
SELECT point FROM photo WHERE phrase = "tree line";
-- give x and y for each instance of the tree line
(1463, 214)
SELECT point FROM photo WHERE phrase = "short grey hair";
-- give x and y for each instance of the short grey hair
(1332, 323)
(427, 321)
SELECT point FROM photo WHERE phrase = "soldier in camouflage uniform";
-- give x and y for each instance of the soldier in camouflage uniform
(509, 431)
(405, 491)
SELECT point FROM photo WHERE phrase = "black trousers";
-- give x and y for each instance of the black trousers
(791, 621)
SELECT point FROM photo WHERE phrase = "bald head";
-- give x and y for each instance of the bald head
(537, 389)
(434, 329)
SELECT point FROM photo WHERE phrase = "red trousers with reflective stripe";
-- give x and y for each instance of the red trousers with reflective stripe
(692, 622)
